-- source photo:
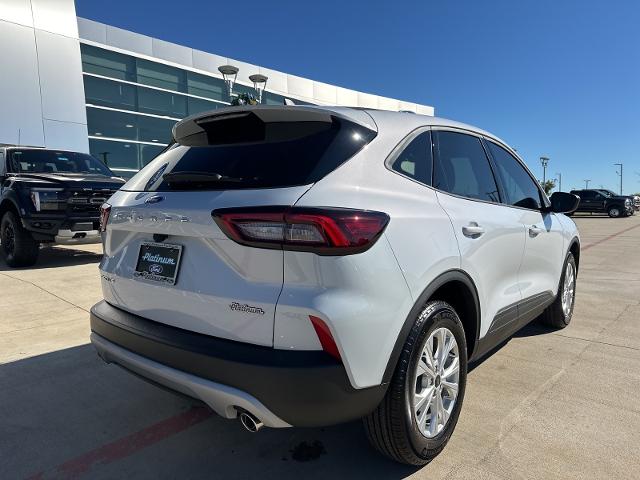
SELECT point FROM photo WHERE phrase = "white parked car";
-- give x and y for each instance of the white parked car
(307, 266)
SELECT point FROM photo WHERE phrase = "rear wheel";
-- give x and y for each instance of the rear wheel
(416, 418)
(18, 246)
(559, 313)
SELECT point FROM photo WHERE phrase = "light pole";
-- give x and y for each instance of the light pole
(619, 173)
(586, 184)
(259, 84)
(229, 74)
(559, 181)
(544, 161)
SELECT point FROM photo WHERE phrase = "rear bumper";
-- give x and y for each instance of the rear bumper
(281, 387)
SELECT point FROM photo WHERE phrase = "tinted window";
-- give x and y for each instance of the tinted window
(415, 160)
(107, 63)
(51, 161)
(519, 188)
(279, 154)
(159, 75)
(586, 194)
(462, 167)
(108, 93)
(107, 123)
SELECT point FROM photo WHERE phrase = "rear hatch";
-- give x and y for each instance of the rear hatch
(166, 259)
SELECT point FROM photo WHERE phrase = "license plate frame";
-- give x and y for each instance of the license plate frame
(160, 256)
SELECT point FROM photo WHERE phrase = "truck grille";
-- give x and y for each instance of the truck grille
(87, 203)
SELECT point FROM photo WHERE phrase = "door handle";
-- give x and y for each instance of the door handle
(534, 230)
(473, 230)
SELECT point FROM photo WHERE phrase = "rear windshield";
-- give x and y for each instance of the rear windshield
(277, 154)
(58, 162)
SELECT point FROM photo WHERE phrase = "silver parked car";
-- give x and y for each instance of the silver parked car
(306, 266)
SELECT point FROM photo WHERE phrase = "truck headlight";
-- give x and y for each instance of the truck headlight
(47, 198)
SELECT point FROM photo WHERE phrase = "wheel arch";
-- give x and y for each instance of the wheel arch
(457, 289)
(8, 204)
(574, 248)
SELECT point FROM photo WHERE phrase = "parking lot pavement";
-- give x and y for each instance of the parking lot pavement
(544, 405)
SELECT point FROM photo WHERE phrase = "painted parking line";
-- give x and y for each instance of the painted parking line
(587, 247)
(128, 445)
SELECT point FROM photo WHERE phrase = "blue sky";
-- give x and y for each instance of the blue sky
(556, 78)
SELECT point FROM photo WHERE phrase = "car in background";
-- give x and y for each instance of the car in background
(597, 201)
(308, 266)
(611, 193)
(50, 196)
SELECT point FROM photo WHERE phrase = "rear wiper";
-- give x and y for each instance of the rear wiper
(199, 177)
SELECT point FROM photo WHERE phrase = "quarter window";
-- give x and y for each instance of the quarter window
(519, 188)
(415, 161)
(462, 167)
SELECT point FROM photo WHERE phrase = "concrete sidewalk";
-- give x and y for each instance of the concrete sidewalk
(545, 405)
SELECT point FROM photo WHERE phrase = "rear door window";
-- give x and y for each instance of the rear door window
(462, 167)
(415, 160)
(249, 154)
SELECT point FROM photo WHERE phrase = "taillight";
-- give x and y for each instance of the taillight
(105, 210)
(325, 231)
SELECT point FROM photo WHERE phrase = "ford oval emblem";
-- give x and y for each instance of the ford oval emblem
(154, 199)
(156, 269)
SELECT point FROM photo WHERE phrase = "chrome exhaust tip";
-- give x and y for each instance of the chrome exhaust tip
(250, 422)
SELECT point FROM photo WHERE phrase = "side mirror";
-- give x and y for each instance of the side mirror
(563, 202)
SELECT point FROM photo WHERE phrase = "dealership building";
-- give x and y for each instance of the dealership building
(76, 84)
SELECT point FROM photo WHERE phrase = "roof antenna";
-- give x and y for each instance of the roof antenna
(288, 101)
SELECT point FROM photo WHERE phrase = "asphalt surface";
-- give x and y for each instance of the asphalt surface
(545, 405)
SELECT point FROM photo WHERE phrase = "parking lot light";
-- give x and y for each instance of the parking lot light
(544, 161)
(259, 84)
(229, 74)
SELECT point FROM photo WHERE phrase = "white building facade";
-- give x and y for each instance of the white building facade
(76, 84)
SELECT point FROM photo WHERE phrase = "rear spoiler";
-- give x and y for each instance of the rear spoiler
(234, 121)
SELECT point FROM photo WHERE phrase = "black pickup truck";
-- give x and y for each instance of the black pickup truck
(50, 196)
(599, 201)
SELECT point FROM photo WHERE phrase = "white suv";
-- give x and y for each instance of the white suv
(306, 266)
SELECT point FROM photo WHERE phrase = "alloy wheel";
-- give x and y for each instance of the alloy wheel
(568, 290)
(437, 382)
(8, 239)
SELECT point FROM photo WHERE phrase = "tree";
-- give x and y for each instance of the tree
(548, 186)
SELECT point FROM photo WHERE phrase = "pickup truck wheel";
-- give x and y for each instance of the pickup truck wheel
(558, 314)
(18, 246)
(417, 416)
(614, 211)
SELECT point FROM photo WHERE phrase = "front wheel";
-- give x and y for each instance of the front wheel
(614, 212)
(559, 313)
(419, 412)
(18, 246)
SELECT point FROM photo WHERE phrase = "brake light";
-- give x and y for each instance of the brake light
(105, 211)
(325, 231)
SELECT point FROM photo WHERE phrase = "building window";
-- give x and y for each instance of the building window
(161, 76)
(127, 126)
(158, 102)
(108, 93)
(123, 158)
(204, 86)
(107, 63)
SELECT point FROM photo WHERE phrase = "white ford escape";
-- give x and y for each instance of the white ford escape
(306, 266)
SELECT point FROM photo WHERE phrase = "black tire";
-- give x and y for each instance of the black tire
(392, 428)
(615, 211)
(554, 316)
(18, 246)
